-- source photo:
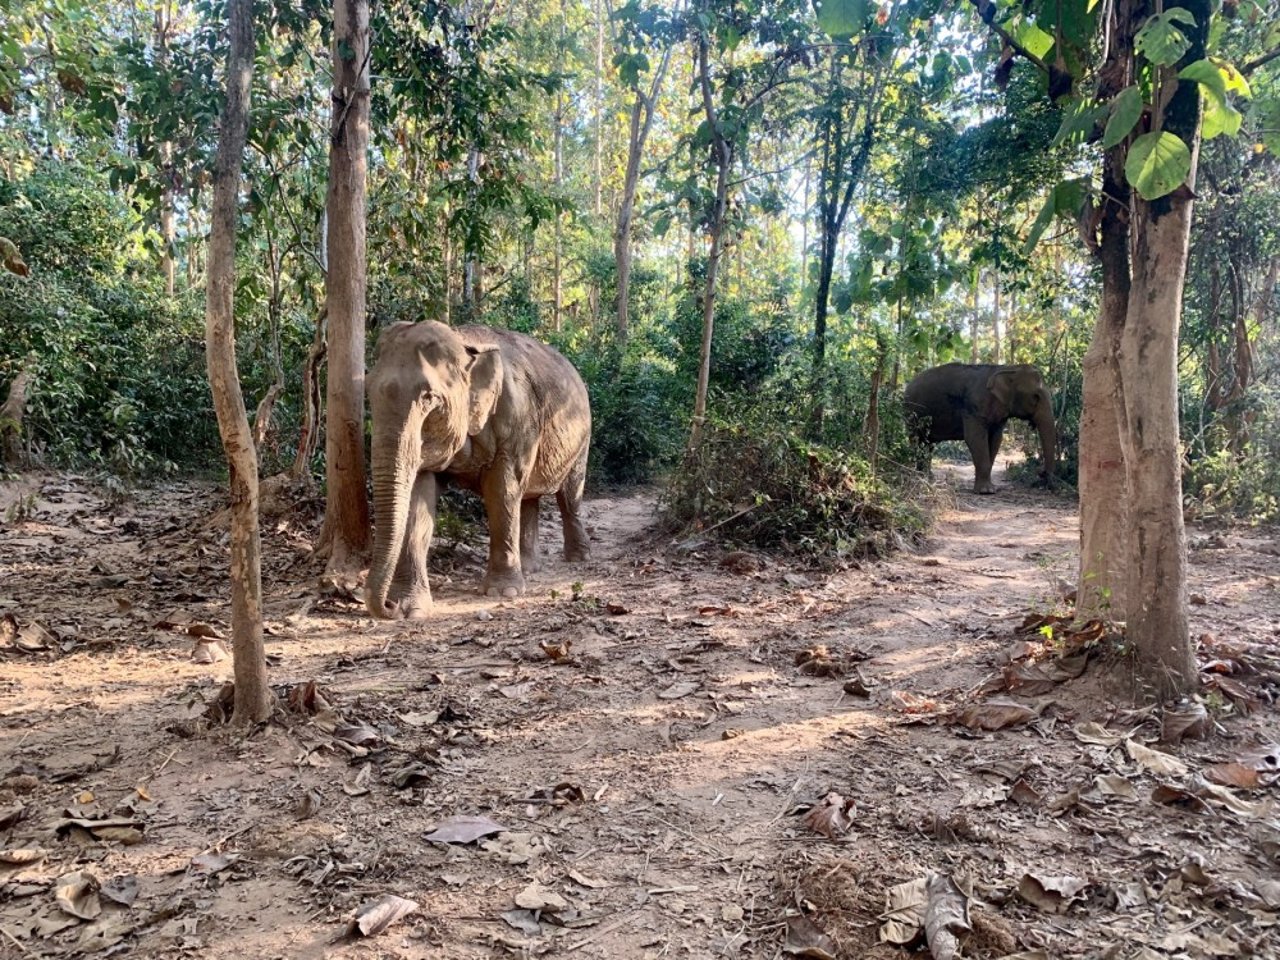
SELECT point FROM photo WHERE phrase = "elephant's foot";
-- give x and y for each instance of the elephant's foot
(577, 552)
(530, 564)
(983, 486)
(508, 583)
(414, 603)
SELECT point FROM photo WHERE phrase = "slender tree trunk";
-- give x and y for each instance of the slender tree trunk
(347, 511)
(804, 227)
(973, 321)
(557, 269)
(995, 317)
(308, 433)
(252, 695)
(597, 204)
(168, 233)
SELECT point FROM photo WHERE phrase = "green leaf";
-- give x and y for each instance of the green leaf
(1160, 41)
(1126, 110)
(843, 18)
(1207, 74)
(1078, 120)
(1042, 222)
(1219, 117)
(1035, 40)
(1158, 164)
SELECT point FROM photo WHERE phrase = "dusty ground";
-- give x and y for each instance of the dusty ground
(653, 784)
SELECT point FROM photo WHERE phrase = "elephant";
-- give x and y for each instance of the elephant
(972, 402)
(492, 411)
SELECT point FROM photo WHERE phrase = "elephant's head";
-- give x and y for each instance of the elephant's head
(429, 390)
(1020, 392)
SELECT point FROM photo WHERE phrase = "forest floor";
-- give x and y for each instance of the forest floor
(640, 739)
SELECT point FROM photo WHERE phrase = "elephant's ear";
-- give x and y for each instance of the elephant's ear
(1000, 385)
(485, 374)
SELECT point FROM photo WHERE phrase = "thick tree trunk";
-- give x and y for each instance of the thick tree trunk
(346, 533)
(11, 414)
(252, 695)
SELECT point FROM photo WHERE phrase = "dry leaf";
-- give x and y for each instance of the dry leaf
(1096, 734)
(903, 917)
(1051, 894)
(586, 880)
(523, 920)
(995, 715)
(1224, 797)
(374, 917)
(678, 690)
(211, 863)
(556, 650)
(122, 890)
(946, 916)
(77, 894)
(1024, 793)
(806, 939)
(23, 856)
(357, 734)
(832, 816)
(1234, 775)
(204, 631)
(1189, 720)
(1112, 785)
(1029, 679)
(208, 651)
(464, 829)
(1171, 796)
(538, 897)
(615, 609)
(1161, 764)
(912, 703)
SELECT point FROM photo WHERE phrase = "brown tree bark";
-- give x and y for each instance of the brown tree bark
(252, 695)
(346, 527)
(723, 153)
(11, 414)
(168, 232)
(642, 112)
(973, 321)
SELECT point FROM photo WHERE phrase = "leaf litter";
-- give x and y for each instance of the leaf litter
(638, 818)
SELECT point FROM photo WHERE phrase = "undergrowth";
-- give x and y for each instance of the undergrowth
(760, 485)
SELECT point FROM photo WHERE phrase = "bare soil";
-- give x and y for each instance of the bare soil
(640, 727)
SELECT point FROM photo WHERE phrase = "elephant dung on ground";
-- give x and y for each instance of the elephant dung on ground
(972, 402)
(493, 411)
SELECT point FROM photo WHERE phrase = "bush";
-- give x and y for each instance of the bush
(756, 482)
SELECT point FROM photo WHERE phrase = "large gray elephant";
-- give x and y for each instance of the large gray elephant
(972, 402)
(493, 411)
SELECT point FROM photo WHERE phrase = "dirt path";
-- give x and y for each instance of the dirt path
(652, 782)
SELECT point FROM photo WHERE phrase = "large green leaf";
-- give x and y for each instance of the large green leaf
(1207, 74)
(1032, 38)
(1158, 164)
(1126, 109)
(1219, 117)
(1078, 120)
(843, 18)
(1160, 40)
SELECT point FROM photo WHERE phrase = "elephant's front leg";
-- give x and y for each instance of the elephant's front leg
(530, 562)
(410, 591)
(977, 437)
(501, 489)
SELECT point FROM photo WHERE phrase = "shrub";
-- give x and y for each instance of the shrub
(756, 482)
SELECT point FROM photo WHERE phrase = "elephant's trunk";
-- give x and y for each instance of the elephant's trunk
(395, 465)
(1048, 438)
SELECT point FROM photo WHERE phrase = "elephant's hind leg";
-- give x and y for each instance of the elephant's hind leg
(569, 499)
(530, 561)
(410, 590)
(975, 436)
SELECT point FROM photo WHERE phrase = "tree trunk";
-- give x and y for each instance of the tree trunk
(252, 695)
(1156, 621)
(307, 432)
(346, 532)
(557, 288)
(1104, 496)
(973, 322)
(995, 317)
(872, 426)
(597, 204)
(11, 414)
(168, 234)
(642, 111)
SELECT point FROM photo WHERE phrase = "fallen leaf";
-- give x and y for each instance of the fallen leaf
(208, 651)
(523, 920)
(123, 830)
(908, 702)
(122, 889)
(1096, 734)
(464, 829)
(1188, 720)
(211, 863)
(538, 897)
(732, 913)
(946, 916)
(556, 650)
(616, 609)
(515, 847)
(806, 939)
(1161, 764)
(204, 631)
(1171, 796)
(831, 817)
(1112, 785)
(77, 894)
(859, 686)
(677, 690)
(375, 916)
(357, 734)
(1224, 797)
(903, 917)
(308, 805)
(23, 856)
(1024, 793)
(1051, 894)
(995, 715)
(1234, 775)
(410, 775)
(1029, 679)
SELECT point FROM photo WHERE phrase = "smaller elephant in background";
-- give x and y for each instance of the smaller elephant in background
(972, 402)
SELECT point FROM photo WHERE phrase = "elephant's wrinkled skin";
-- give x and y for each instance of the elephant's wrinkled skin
(972, 402)
(493, 411)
